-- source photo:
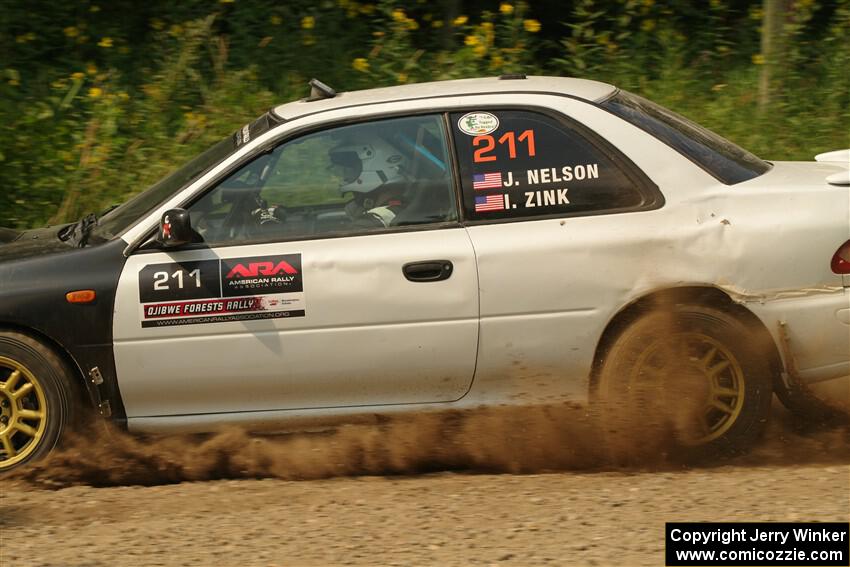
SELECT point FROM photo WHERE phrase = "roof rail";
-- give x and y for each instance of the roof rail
(319, 91)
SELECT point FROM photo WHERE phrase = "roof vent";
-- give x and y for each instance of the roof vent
(512, 76)
(319, 90)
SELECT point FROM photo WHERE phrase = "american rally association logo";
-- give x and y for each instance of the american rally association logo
(478, 123)
(251, 276)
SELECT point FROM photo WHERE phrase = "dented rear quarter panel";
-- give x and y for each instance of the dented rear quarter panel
(550, 287)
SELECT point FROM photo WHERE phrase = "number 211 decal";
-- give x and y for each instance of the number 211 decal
(488, 144)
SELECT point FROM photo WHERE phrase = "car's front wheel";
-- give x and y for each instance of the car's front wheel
(688, 372)
(37, 402)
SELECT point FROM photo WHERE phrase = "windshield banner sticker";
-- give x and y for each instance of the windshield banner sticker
(217, 291)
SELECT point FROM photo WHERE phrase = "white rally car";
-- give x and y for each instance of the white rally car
(511, 240)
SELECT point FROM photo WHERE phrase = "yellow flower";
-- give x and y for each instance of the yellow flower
(399, 15)
(411, 24)
(460, 20)
(367, 9)
(496, 61)
(105, 42)
(95, 92)
(91, 69)
(175, 30)
(758, 59)
(506, 9)
(308, 22)
(437, 24)
(647, 25)
(531, 26)
(479, 50)
(401, 77)
(71, 31)
(276, 20)
(226, 1)
(360, 64)
(78, 76)
(471, 40)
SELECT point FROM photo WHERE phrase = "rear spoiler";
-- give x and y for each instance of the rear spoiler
(841, 157)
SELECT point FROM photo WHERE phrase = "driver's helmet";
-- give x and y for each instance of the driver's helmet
(367, 166)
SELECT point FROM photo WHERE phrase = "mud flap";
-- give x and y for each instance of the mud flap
(796, 395)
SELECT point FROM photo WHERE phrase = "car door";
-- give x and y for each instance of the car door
(331, 272)
(552, 212)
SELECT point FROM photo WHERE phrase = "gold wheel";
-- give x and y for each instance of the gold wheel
(695, 368)
(23, 412)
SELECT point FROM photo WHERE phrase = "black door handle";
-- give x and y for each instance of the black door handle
(428, 271)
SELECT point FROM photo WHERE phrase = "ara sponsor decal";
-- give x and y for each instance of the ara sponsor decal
(478, 123)
(254, 276)
(218, 291)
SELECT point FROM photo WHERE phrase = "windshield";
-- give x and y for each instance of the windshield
(718, 156)
(120, 218)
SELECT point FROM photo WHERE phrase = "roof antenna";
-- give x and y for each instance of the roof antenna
(319, 90)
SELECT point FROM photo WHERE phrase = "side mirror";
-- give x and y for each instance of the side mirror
(175, 229)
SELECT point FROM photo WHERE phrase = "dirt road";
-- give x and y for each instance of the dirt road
(577, 515)
(446, 519)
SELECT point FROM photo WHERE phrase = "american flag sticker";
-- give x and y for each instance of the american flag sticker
(487, 181)
(490, 203)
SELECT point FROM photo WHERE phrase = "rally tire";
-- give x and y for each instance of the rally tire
(688, 378)
(39, 402)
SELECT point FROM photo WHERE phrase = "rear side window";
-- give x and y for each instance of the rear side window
(518, 164)
(718, 156)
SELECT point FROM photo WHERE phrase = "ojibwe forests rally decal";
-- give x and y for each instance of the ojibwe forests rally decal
(219, 291)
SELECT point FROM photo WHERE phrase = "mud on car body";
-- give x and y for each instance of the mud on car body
(446, 245)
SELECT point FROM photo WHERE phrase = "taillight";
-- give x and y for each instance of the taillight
(841, 259)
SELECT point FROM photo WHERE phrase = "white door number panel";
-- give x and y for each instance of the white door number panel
(218, 291)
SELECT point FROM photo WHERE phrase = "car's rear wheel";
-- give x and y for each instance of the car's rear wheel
(688, 372)
(37, 401)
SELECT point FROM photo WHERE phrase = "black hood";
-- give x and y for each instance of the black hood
(17, 245)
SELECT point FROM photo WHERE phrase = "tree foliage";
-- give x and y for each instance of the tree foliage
(100, 99)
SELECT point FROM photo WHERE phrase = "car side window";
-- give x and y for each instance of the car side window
(362, 177)
(523, 164)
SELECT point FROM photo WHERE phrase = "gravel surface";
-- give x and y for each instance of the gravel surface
(444, 519)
